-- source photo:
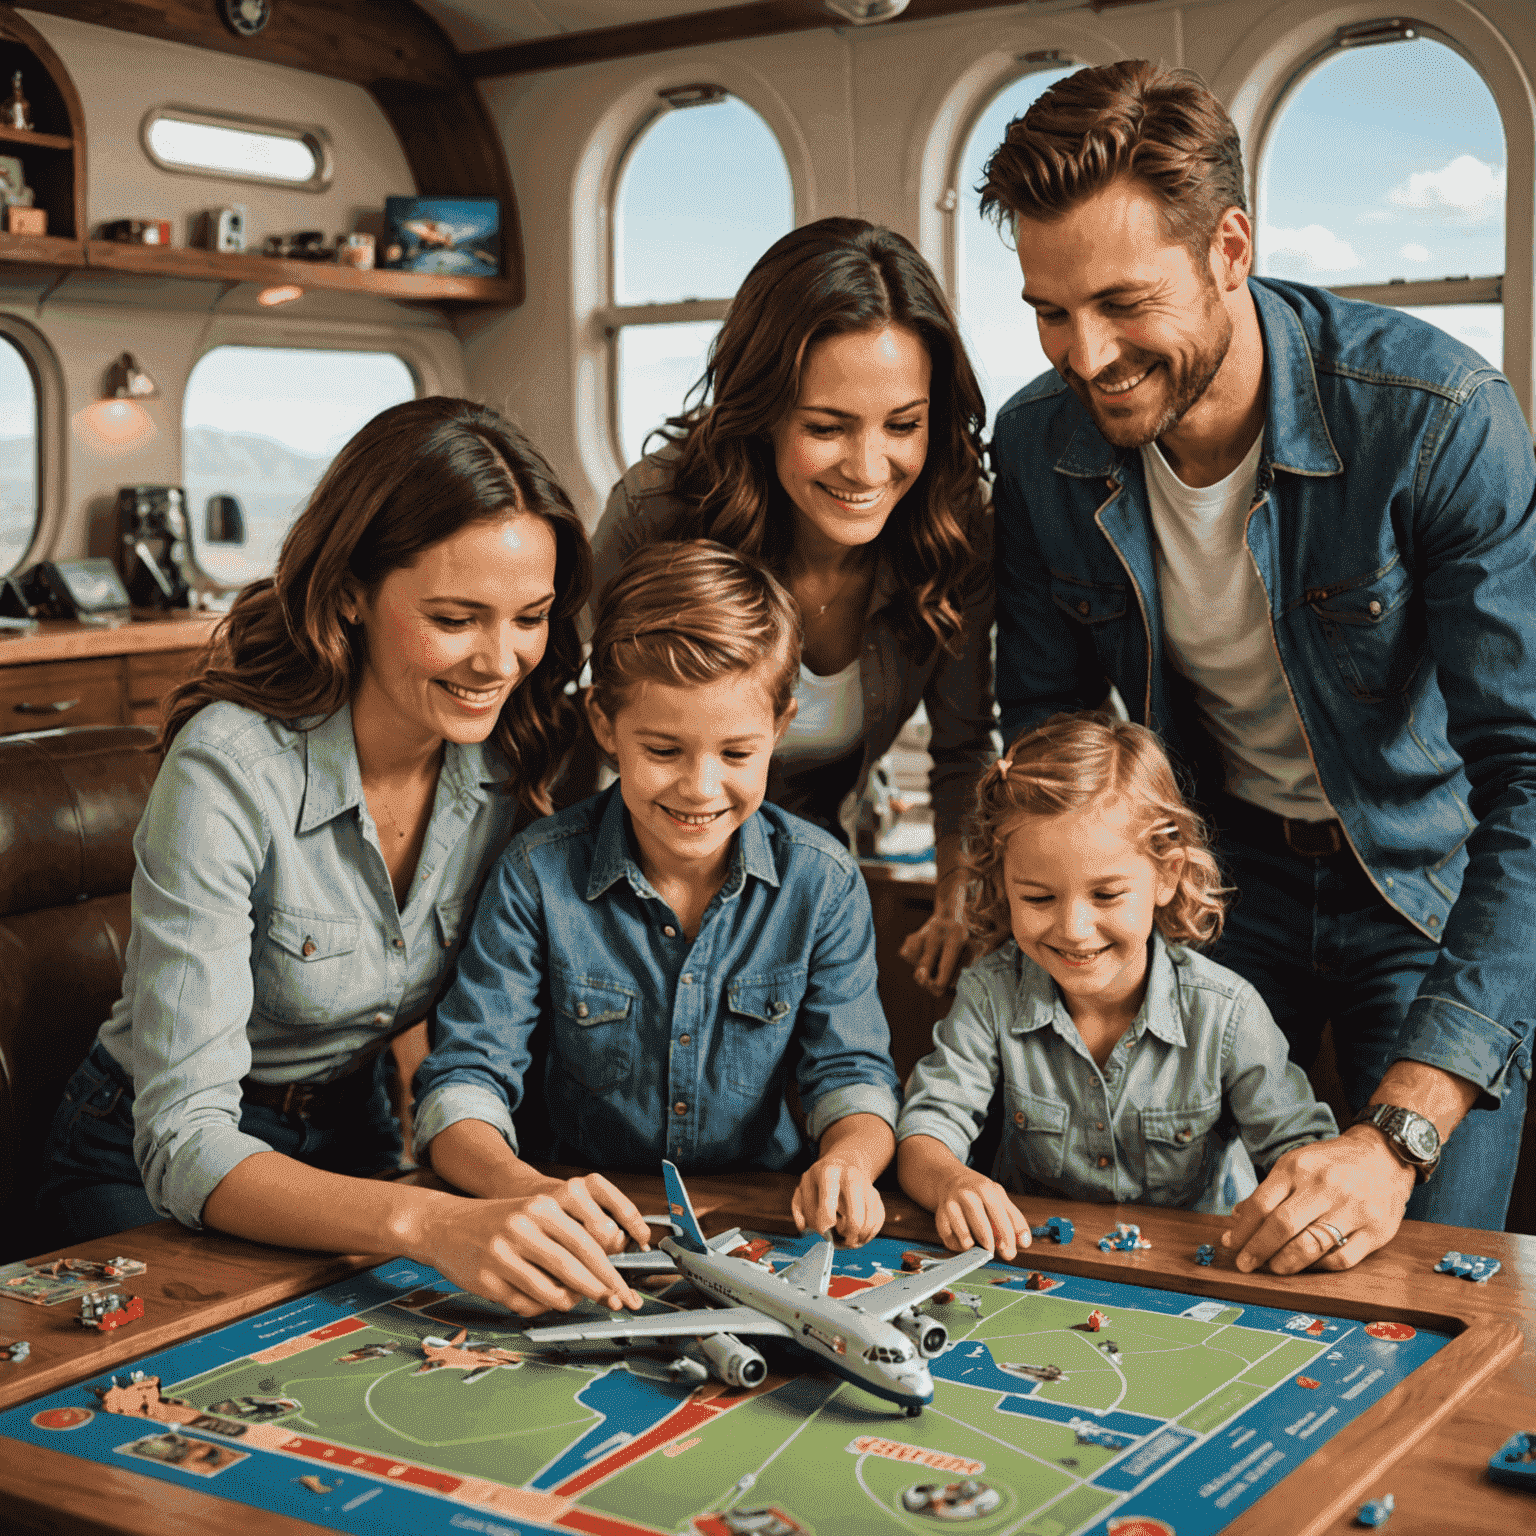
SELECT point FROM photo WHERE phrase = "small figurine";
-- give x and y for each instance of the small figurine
(1096, 1320)
(1205, 1254)
(1468, 1266)
(1514, 1463)
(16, 1352)
(18, 110)
(1036, 1282)
(106, 1310)
(1057, 1228)
(1112, 1350)
(1126, 1238)
(1376, 1511)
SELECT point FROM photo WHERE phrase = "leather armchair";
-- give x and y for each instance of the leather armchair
(69, 803)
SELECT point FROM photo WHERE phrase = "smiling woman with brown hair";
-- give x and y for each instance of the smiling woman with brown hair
(337, 779)
(836, 435)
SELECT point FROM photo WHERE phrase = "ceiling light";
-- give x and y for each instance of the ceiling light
(280, 293)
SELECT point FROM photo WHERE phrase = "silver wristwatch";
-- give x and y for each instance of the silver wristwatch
(1413, 1138)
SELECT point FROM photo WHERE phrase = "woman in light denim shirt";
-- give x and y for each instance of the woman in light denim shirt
(836, 435)
(1132, 1069)
(337, 779)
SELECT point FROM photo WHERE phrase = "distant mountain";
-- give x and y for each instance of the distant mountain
(236, 461)
(18, 459)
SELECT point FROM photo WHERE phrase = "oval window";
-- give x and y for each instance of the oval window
(252, 151)
(19, 499)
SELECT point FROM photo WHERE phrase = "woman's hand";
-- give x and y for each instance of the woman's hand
(602, 1208)
(975, 1210)
(530, 1253)
(838, 1193)
(935, 952)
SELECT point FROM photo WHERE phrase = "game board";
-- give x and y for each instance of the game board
(389, 1403)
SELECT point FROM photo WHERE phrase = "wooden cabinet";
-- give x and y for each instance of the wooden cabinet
(73, 674)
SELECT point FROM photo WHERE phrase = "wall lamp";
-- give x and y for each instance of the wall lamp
(863, 12)
(127, 381)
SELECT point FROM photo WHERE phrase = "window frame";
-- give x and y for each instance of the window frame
(48, 391)
(314, 138)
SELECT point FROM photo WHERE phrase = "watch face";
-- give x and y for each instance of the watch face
(246, 18)
(1421, 1138)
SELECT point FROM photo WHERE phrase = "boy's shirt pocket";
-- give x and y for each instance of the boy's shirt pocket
(1180, 1150)
(762, 1009)
(1034, 1143)
(593, 1029)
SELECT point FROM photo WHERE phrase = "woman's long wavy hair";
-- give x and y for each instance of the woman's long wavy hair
(413, 476)
(833, 278)
(1073, 762)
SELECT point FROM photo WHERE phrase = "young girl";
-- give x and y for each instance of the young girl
(681, 943)
(1130, 1065)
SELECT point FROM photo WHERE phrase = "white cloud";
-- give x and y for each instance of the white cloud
(1313, 248)
(1466, 186)
(1375, 216)
(1412, 252)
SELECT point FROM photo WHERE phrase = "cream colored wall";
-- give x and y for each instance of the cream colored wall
(870, 120)
(90, 318)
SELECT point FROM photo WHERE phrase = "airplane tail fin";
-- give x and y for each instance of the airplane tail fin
(682, 1210)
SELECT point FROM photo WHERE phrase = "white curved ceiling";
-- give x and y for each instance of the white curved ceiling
(475, 24)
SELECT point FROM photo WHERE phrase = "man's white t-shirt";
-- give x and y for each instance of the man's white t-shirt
(1217, 627)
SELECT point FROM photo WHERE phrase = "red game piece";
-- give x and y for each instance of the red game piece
(1307, 1381)
(1096, 1320)
(1395, 1333)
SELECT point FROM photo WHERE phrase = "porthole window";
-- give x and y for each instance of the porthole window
(702, 193)
(999, 328)
(1382, 177)
(207, 143)
(259, 426)
(20, 501)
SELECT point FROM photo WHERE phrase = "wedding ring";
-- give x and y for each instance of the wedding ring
(1338, 1237)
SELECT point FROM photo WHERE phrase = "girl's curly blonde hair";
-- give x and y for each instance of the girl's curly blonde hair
(1072, 762)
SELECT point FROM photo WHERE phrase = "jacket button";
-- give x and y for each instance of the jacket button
(309, 948)
(686, 978)
(582, 1010)
(670, 931)
(780, 1009)
(1432, 920)
(1103, 1162)
(1018, 1117)
(685, 1039)
(1183, 1134)
(1375, 609)
(680, 1108)
(381, 1018)
(398, 943)
(1098, 1125)
(1084, 609)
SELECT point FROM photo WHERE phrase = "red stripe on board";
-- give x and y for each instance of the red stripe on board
(362, 1461)
(338, 1330)
(603, 1525)
(679, 1422)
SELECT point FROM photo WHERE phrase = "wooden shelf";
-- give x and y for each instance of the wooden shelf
(31, 136)
(180, 261)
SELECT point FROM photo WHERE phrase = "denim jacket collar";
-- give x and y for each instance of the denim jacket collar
(611, 861)
(1296, 436)
(333, 783)
(1038, 999)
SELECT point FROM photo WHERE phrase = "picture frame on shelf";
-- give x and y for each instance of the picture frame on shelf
(451, 236)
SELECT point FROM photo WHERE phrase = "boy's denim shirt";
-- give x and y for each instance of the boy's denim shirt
(1154, 1124)
(266, 939)
(1394, 530)
(658, 1046)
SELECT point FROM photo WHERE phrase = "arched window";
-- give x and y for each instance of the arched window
(999, 328)
(20, 498)
(1382, 177)
(702, 193)
(259, 426)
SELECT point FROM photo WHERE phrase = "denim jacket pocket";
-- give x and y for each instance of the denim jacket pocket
(1088, 602)
(1181, 1152)
(305, 973)
(764, 1010)
(1374, 633)
(594, 1032)
(1034, 1138)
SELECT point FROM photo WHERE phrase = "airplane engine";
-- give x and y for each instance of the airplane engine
(735, 1363)
(927, 1333)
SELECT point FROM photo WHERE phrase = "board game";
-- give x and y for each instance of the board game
(391, 1403)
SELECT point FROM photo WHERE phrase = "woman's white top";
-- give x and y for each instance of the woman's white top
(830, 719)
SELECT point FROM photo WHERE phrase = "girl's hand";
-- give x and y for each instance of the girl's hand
(527, 1253)
(935, 952)
(833, 1192)
(977, 1210)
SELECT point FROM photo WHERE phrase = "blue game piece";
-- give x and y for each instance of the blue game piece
(16, 1352)
(1514, 1463)
(1377, 1511)
(1468, 1266)
(1205, 1254)
(1057, 1228)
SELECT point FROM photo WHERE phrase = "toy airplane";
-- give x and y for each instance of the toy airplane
(875, 1338)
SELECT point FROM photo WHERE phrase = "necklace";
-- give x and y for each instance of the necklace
(856, 570)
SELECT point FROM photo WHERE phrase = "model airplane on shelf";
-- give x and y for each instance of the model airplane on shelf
(875, 1338)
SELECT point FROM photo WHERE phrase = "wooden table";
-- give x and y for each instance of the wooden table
(197, 1282)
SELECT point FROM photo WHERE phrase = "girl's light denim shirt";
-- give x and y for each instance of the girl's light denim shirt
(658, 1045)
(1196, 1094)
(266, 939)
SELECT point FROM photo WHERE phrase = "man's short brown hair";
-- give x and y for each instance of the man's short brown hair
(1136, 119)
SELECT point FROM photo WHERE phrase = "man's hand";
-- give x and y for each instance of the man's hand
(837, 1193)
(1353, 1182)
(935, 952)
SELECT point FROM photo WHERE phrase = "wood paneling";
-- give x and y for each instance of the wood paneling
(57, 166)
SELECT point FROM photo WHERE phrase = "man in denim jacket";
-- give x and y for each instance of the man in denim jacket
(1296, 534)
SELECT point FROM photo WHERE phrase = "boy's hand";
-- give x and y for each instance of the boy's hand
(976, 1210)
(833, 1192)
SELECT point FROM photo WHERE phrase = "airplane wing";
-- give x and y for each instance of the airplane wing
(666, 1325)
(883, 1302)
(814, 1271)
(657, 1262)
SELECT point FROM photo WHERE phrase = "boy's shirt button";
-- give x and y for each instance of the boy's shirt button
(398, 943)
(1018, 1117)
(670, 931)
(1098, 1125)
(680, 1108)
(1103, 1162)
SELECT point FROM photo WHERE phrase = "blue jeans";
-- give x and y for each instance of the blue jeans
(1319, 943)
(93, 1188)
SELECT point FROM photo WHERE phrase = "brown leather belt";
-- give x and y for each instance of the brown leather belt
(309, 1101)
(1306, 839)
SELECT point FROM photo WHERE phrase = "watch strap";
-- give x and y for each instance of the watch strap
(1392, 1121)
